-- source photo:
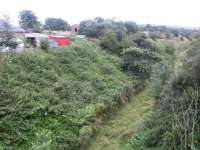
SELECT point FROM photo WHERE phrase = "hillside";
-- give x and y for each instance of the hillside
(50, 99)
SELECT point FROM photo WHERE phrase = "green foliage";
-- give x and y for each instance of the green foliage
(138, 62)
(155, 35)
(49, 99)
(56, 24)
(111, 43)
(28, 20)
(163, 70)
(114, 42)
(141, 41)
(131, 27)
(91, 28)
(43, 140)
(96, 28)
(44, 45)
(115, 133)
(7, 38)
(170, 49)
(159, 130)
(171, 32)
(176, 125)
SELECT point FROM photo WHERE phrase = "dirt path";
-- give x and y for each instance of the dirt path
(113, 135)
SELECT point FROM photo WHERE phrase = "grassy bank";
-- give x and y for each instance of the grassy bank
(50, 99)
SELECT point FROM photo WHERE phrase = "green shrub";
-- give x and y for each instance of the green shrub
(44, 45)
(110, 42)
(138, 62)
(43, 141)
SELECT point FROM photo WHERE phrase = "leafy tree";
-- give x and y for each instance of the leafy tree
(110, 42)
(7, 38)
(131, 27)
(38, 27)
(86, 27)
(28, 20)
(56, 24)
(97, 27)
(140, 39)
(138, 61)
(99, 19)
(92, 28)
(155, 35)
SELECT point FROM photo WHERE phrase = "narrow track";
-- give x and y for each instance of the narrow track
(114, 134)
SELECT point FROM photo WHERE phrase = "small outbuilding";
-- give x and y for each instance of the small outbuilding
(34, 39)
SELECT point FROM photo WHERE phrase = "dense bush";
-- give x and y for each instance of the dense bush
(44, 45)
(49, 99)
(138, 62)
(114, 42)
(110, 42)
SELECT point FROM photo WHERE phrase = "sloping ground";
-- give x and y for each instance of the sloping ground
(114, 134)
(48, 99)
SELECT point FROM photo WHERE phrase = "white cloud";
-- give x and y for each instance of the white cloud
(169, 12)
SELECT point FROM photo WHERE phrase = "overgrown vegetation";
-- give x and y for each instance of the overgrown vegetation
(138, 62)
(49, 100)
(52, 98)
(175, 123)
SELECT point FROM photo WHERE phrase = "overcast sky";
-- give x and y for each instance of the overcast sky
(165, 12)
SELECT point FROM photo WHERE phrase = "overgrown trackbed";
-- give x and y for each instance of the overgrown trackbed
(114, 134)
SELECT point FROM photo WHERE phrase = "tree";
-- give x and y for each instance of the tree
(141, 40)
(175, 32)
(97, 27)
(56, 24)
(85, 26)
(138, 62)
(110, 42)
(155, 35)
(131, 27)
(7, 38)
(92, 28)
(28, 20)
(99, 19)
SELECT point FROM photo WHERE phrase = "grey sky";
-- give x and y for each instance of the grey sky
(168, 12)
